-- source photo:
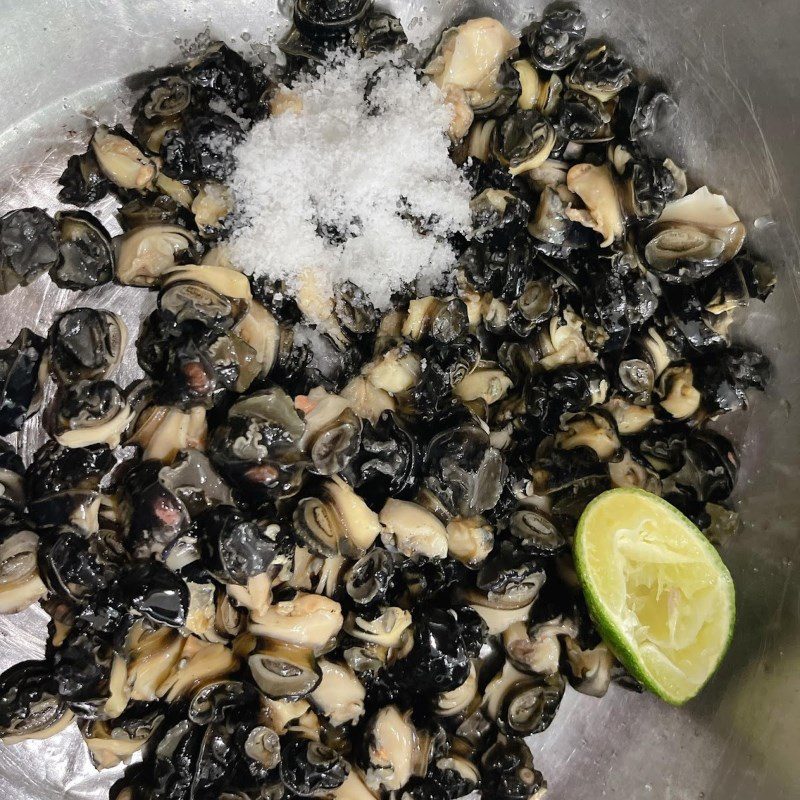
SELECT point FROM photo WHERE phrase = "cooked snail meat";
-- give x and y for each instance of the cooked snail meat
(140, 212)
(653, 110)
(28, 247)
(82, 181)
(192, 479)
(145, 253)
(537, 533)
(124, 164)
(257, 449)
(86, 344)
(20, 584)
(333, 444)
(212, 208)
(310, 769)
(234, 547)
(30, 707)
(523, 704)
(113, 742)
(464, 471)
(600, 72)
(370, 578)
(201, 149)
(554, 42)
(469, 540)
(339, 695)
(165, 98)
(222, 73)
(56, 469)
(283, 671)
(582, 118)
(439, 659)
(591, 669)
(693, 237)
(12, 473)
(384, 626)
(155, 592)
(87, 256)
(650, 187)
(392, 742)
(592, 430)
(184, 302)
(413, 530)
(378, 32)
(596, 188)
(679, 397)
(20, 387)
(507, 771)
(308, 620)
(456, 701)
(524, 141)
(86, 413)
(509, 579)
(466, 66)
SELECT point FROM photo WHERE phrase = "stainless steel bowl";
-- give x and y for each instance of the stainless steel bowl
(730, 63)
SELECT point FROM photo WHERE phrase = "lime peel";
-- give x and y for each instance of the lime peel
(657, 590)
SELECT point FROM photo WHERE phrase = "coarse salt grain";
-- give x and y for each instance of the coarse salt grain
(337, 191)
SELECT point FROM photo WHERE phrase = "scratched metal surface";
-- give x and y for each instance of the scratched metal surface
(728, 62)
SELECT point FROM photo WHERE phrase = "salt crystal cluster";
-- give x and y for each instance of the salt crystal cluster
(352, 181)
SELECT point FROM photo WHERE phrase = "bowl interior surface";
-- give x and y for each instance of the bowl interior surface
(730, 65)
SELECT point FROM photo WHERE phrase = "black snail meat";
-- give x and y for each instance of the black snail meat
(279, 575)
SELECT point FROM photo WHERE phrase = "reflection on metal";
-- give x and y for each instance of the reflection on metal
(62, 64)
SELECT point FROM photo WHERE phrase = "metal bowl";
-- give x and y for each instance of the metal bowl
(730, 65)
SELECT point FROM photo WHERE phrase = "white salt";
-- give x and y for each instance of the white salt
(366, 171)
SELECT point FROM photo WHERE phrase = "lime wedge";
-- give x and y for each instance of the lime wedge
(657, 590)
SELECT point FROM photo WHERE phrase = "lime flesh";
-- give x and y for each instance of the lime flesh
(657, 589)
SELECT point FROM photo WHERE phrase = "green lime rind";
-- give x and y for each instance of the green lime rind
(623, 649)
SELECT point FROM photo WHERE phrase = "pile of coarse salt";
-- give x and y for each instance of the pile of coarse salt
(338, 190)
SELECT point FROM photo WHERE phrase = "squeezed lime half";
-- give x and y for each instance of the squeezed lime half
(657, 589)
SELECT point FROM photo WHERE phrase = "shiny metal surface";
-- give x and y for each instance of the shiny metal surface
(730, 63)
